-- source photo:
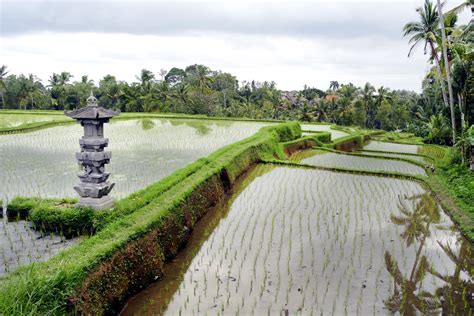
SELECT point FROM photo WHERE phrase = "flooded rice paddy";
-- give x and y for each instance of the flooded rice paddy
(406, 156)
(335, 134)
(312, 242)
(393, 147)
(12, 120)
(42, 163)
(21, 245)
(333, 160)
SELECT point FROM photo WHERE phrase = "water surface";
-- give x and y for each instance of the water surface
(42, 163)
(299, 241)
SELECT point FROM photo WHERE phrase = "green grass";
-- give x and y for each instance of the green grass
(399, 137)
(455, 185)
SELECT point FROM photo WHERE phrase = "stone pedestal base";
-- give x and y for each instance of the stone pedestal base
(103, 203)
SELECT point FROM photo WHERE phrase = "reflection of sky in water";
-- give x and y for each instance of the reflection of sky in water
(400, 148)
(42, 163)
(314, 242)
(335, 134)
(333, 160)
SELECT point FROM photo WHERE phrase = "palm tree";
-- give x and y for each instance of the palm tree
(3, 74)
(202, 77)
(424, 32)
(333, 85)
(448, 70)
(33, 88)
(145, 77)
(367, 95)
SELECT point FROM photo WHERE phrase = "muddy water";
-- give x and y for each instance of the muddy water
(299, 241)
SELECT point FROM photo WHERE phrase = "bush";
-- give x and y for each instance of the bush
(20, 207)
(61, 218)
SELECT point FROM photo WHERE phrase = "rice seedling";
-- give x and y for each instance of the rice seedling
(169, 145)
(333, 160)
(393, 147)
(353, 235)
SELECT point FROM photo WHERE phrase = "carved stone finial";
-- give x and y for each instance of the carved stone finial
(92, 101)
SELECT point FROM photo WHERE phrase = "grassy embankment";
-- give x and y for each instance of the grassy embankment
(133, 242)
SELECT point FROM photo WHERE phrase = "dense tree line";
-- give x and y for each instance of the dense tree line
(197, 89)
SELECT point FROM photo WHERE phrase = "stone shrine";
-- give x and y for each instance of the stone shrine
(94, 186)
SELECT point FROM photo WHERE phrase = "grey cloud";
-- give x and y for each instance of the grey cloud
(327, 20)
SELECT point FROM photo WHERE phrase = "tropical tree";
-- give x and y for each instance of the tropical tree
(3, 74)
(447, 69)
(367, 97)
(59, 84)
(438, 129)
(425, 32)
(333, 85)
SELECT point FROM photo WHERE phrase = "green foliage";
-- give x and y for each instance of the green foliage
(63, 218)
(399, 137)
(458, 182)
(21, 206)
(197, 89)
(58, 215)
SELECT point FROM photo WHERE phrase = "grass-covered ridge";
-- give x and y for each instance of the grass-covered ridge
(97, 275)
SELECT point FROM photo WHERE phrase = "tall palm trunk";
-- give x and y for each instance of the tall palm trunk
(3, 100)
(448, 71)
(440, 76)
(461, 106)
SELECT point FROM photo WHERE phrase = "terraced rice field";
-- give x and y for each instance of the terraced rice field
(393, 147)
(311, 242)
(406, 156)
(42, 163)
(12, 120)
(21, 245)
(333, 160)
(335, 134)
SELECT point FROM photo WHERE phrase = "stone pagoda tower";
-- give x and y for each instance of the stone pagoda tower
(94, 187)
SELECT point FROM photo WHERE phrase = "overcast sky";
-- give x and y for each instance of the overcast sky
(291, 42)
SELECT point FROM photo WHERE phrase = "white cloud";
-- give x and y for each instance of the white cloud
(291, 43)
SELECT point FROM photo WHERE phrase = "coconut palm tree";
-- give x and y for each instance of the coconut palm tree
(367, 96)
(447, 69)
(425, 32)
(3, 74)
(202, 77)
(145, 77)
(333, 85)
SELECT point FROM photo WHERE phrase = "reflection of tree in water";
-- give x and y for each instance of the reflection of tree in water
(200, 127)
(407, 297)
(147, 124)
(416, 225)
(457, 295)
